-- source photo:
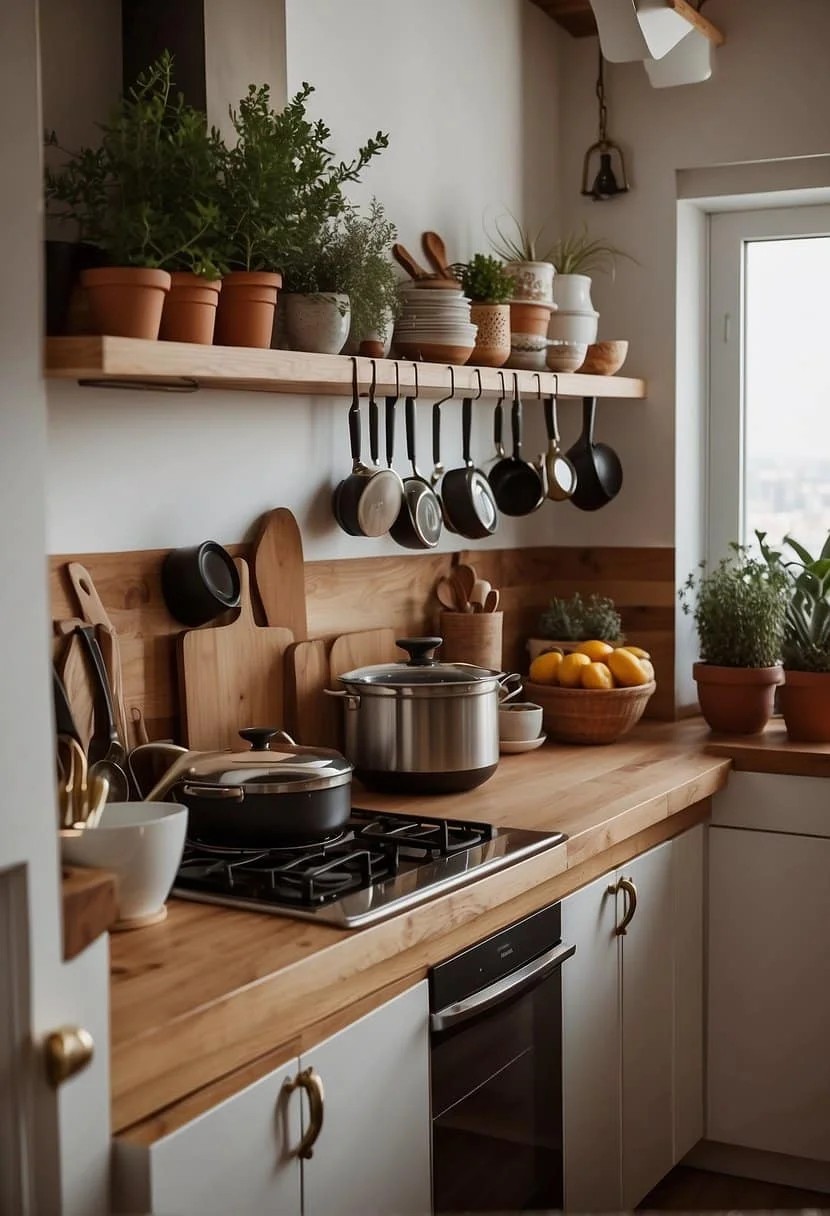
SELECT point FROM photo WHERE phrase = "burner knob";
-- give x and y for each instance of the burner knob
(260, 737)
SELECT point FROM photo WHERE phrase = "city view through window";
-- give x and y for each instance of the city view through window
(787, 390)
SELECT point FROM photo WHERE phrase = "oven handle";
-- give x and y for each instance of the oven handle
(503, 990)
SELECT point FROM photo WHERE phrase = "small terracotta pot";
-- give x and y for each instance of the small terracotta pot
(805, 704)
(526, 318)
(245, 315)
(126, 301)
(736, 700)
(190, 309)
(492, 348)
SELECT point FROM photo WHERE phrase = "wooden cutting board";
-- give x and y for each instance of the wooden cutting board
(280, 572)
(353, 650)
(314, 717)
(231, 677)
(73, 668)
(94, 612)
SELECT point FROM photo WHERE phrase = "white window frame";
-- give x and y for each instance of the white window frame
(729, 234)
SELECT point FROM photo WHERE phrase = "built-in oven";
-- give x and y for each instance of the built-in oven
(496, 1055)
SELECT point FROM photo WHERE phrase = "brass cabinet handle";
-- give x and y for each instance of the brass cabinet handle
(312, 1083)
(67, 1051)
(627, 887)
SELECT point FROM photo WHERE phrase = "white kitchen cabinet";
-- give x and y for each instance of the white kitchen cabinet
(633, 1027)
(769, 990)
(371, 1157)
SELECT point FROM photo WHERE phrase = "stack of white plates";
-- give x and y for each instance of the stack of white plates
(434, 325)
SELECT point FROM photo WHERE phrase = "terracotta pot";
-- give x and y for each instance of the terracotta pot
(736, 700)
(190, 309)
(492, 348)
(526, 318)
(126, 301)
(245, 315)
(317, 322)
(805, 704)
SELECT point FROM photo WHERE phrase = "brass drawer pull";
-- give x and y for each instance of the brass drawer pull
(630, 891)
(312, 1083)
(67, 1051)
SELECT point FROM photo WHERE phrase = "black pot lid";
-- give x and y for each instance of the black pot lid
(422, 670)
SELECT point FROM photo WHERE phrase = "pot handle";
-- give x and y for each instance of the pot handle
(421, 651)
(230, 793)
(351, 698)
(510, 686)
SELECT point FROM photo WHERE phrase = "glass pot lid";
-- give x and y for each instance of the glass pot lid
(421, 670)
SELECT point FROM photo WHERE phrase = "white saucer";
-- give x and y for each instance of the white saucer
(520, 745)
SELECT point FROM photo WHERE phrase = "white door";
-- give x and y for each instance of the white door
(591, 1065)
(54, 1145)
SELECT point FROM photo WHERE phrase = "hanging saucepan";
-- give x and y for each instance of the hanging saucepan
(599, 473)
(438, 468)
(518, 485)
(277, 793)
(561, 473)
(367, 502)
(418, 525)
(466, 493)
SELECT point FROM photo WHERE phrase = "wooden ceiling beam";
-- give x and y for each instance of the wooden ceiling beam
(577, 17)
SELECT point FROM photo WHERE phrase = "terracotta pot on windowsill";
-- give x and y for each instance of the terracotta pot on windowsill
(736, 700)
(126, 301)
(245, 316)
(190, 309)
(805, 704)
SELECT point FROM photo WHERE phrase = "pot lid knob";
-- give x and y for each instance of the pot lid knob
(421, 651)
(260, 737)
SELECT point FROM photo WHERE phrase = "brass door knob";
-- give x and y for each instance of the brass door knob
(67, 1051)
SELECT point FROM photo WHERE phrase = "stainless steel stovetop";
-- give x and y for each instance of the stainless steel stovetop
(380, 865)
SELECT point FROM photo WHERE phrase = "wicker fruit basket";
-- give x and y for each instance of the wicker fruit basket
(589, 715)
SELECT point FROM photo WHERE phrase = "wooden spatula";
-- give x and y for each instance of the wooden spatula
(94, 613)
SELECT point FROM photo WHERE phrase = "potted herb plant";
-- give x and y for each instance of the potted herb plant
(805, 696)
(530, 267)
(280, 188)
(489, 287)
(373, 289)
(738, 609)
(567, 622)
(125, 198)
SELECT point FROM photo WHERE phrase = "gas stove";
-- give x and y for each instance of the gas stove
(381, 864)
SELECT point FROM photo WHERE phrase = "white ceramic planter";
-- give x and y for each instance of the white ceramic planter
(318, 323)
(572, 292)
(579, 327)
(532, 281)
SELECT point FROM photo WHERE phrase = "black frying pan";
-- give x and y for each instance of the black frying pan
(518, 486)
(367, 502)
(466, 493)
(599, 474)
(418, 525)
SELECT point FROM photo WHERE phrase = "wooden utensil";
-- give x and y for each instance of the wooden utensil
(436, 252)
(231, 677)
(447, 596)
(306, 678)
(407, 262)
(77, 681)
(280, 573)
(94, 612)
(491, 603)
(479, 593)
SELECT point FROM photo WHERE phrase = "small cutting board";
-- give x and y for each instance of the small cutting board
(231, 677)
(314, 716)
(363, 649)
(280, 573)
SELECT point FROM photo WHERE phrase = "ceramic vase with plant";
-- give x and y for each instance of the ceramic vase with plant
(527, 262)
(576, 257)
(567, 622)
(488, 285)
(738, 609)
(805, 696)
(279, 188)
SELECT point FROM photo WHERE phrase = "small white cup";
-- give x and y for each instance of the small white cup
(520, 721)
(141, 843)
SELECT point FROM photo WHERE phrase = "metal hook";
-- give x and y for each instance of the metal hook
(538, 386)
(355, 387)
(516, 396)
(417, 388)
(373, 385)
(503, 388)
(397, 380)
(451, 393)
(480, 385)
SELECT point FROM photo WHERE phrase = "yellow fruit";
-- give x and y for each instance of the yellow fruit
(637, 651)
(570, 669)
(627, 668)
(648, 667)
(596, 675)
(545, 667)
(594, 650)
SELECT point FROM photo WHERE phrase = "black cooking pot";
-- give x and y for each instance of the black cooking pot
(278, 793)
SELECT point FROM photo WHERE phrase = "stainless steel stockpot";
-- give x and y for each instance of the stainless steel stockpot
(423, 726)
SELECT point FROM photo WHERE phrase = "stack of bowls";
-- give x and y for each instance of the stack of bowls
(574, 324)
(434, 325)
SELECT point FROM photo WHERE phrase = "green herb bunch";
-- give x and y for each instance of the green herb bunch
(578, 620)
(485, 280)
(739, 609)
(149, 194)
(807, 622)
(281, 185)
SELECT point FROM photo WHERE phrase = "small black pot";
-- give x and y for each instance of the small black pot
(199, 583)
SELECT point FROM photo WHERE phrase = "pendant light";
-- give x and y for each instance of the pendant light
(599, 180)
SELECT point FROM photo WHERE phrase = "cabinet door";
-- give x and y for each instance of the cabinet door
(237, 1157)
(372, 1157)
(688, 866)
(769, 992)
(647, 1026)
(591, 1051)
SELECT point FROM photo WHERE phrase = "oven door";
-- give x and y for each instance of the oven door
(497, 1094)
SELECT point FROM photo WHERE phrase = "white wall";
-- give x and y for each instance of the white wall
(469, 94)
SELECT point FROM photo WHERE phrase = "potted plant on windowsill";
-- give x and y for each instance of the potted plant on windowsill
(805, 696)
(488, 285)
(566, 623)
(738, 609)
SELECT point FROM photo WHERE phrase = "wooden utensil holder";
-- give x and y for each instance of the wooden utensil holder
(471, 637)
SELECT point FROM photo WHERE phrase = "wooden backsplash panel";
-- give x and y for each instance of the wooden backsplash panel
(361, 593)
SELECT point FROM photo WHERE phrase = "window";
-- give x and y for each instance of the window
(769, 428)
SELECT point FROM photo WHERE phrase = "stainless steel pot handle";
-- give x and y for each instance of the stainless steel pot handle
(351, 698)
(503, 990)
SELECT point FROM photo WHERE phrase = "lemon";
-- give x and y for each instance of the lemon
(627, 668)
(545, 667)
(570, 669)
(648, 667)
(596, 675)
(594, 650)
(637, 651)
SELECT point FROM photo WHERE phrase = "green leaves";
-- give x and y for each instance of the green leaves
(739, 609)
(486, 281)
(807, 625)
(578, 620)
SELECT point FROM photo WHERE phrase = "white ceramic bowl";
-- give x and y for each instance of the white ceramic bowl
(140, 842)
(520, 720)
(578, 327)
(527, 360)
(528, 342)
(566, 356)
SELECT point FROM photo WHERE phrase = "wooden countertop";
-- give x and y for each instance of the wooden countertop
(212, 991)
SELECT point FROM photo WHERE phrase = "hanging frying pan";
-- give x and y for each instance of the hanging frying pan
(599, 473)
(518, 486)
(418, 525)
(467, 496)
(367, 502)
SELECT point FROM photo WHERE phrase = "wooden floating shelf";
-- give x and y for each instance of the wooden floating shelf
(134, 363)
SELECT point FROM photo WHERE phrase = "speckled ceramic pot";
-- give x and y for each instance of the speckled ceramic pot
(318, 322)
(492, 348)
